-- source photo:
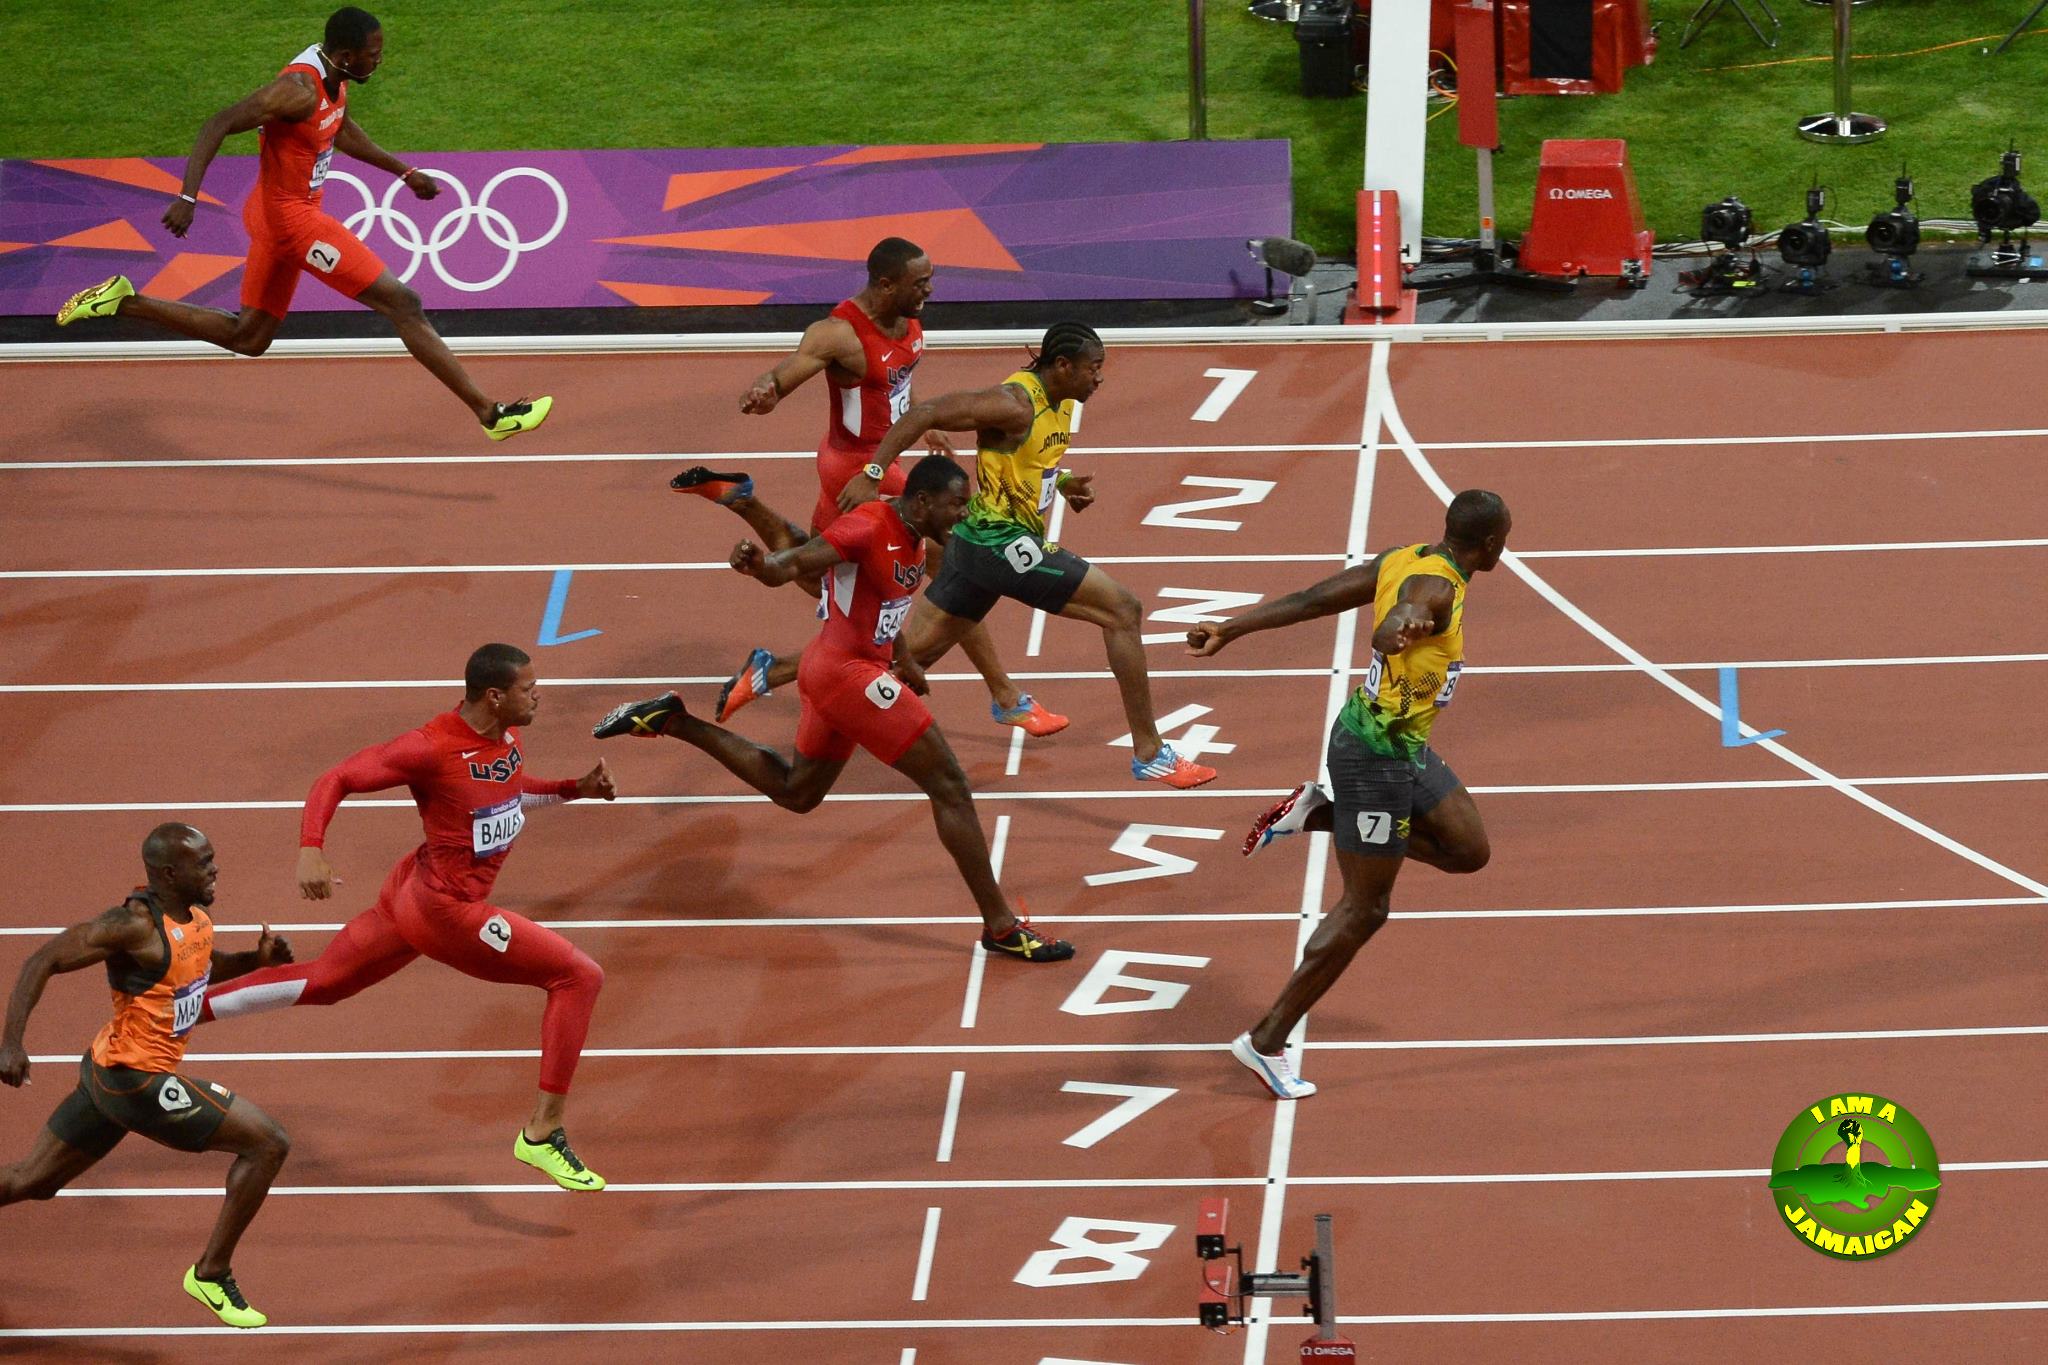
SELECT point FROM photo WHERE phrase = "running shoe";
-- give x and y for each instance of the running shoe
(1169, 767)
(1289, 816)
(103, 300)
(554, 1159)
(1276, 1072)
(509, 419)
(640, 719)
(749, 684)
(723, 489)
(1027, 715)
(1027, 945)
(224, 1297)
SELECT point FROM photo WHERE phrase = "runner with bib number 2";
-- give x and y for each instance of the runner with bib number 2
(870, 562)
(1391, 797)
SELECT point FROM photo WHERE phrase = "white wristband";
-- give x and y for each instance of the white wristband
(189, 198)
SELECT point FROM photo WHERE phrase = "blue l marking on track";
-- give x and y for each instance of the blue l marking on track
(551, 619)
(1731, 715)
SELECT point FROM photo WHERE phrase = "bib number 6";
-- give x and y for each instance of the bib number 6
(1024, 554)
(883, 691)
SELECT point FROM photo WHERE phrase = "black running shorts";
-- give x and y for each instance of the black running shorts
(1377, 798)
(111, 1102)
(974, 576)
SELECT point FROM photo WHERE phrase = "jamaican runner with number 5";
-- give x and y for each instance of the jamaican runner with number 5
(1391, 797)
(871, 561)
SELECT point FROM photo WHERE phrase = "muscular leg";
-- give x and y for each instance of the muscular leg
(930, 632)
(49, 1166)
(1450, 836)
(931, 765)
(1356, 917)
(1102, 601)
(368, 949)
(797, 786)
(975, 642)
(260, 1147)
(399, 304)
(248, 332)
(770, 527)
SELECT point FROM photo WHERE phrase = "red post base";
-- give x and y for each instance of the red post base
(1383, 294)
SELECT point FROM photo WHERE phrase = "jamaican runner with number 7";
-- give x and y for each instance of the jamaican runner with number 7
(870, 562)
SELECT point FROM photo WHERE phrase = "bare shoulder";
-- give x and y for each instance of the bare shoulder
(122, 927)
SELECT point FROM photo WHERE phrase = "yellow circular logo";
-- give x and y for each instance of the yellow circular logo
(1855, 1176)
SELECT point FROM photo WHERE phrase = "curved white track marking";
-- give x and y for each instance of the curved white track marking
(1398, 430)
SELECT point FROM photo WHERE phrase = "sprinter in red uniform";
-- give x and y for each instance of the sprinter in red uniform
(303, 117)
(872, 560)
(866, 348)
(158, 948)
(468, 776)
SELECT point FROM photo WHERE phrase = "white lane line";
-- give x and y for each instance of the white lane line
(970, 1049)
(712, 457)
(942, 1186)
(664, 566)
(1420, 463)
(1013, 761)
(950, 1124)
(1281, 1150)
(977, 956)
(1867, 547)
(926, 1249)
(1036, 639)
(1775, 439)
(1232, 793)
(1178, 1324)
(1192, 917)
(1051, 675)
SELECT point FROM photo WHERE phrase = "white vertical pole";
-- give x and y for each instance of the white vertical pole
(1397, 103)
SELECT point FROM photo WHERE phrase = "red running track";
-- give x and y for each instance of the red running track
(1548, 1091)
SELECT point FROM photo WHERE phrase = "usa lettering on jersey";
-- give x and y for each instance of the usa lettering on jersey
(498, 769)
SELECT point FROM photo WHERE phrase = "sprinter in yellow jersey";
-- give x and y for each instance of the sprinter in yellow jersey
(158, 949)
(1000, 549)
(1391, 798)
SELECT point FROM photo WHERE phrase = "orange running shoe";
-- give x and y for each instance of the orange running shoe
(1169, 767)
(723, 489)
(749, 684)
(1027, 715)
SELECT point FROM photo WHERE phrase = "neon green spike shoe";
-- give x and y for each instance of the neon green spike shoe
(554, 1159)
(223, 1295)
(509, 419)
(103, 300)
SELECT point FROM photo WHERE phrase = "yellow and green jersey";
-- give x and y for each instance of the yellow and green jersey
(1394, 708)
(1015, 485)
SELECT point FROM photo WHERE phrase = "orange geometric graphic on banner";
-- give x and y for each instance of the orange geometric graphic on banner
(6, 247)
(187, 271)
(860, 156)
(690, 186)
(951, 237)
(127, 170)
(680, 295)
(119, 235)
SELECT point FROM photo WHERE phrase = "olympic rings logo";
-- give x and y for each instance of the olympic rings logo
(453, 226)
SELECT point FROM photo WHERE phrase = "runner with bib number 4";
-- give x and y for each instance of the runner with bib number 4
(870, 562)
(1391, 798)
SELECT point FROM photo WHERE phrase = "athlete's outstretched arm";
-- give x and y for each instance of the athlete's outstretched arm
(125, 928)
(1003, 412)
(1422, 610)
(1353, 587)
(353, 141)
(812, 557)
(397, 763)
(596, 784)
(288, 98)
(271, 950)
(825, 341)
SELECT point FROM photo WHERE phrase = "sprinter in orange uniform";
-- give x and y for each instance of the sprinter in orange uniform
(158, 948)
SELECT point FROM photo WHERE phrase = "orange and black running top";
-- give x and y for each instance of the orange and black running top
(157, 996)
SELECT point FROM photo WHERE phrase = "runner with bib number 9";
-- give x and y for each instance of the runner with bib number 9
(1391, 797)
(468, 776)
(872, 561)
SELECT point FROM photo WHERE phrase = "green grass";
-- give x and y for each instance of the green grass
(124, 78)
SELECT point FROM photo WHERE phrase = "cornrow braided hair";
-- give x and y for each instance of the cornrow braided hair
(1063, 341)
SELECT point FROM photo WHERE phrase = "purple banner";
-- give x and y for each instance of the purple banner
(685, 227)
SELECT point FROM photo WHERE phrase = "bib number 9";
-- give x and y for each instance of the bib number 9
(1024, 554)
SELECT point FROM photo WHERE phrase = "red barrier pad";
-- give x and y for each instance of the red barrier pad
(1588, 218)
(1383, 294)
(1558, 47)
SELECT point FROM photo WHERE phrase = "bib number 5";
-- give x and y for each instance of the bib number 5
(1024, 554)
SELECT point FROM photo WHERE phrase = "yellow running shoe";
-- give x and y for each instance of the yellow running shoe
(509, 419)
(223, 1295)
(554, 1159)
(103, 300)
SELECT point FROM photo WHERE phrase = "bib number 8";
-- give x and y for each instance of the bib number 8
(1024, 554)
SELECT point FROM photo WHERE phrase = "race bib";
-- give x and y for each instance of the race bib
(890, 619)
(884, 691)
(1048, 487)
(186, 1003)
(1375, 672)
(172, 1095)
(899, 398)
(1024, 554)
(320, 169)
(1443, 696)
(492, 829)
